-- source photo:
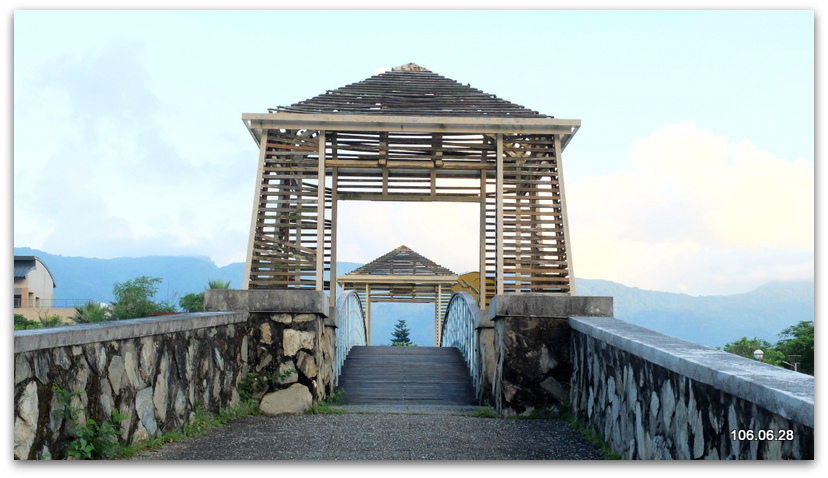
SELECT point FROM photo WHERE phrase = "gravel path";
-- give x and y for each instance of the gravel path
(384, 433)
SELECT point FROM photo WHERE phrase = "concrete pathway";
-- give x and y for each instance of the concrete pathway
(384, 433)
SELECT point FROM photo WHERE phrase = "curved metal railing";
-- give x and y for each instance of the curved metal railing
(459, 330)
(350, 323)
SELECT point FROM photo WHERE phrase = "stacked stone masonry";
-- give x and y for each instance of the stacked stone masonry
(652, 399)
(160, 371)
(157, 372)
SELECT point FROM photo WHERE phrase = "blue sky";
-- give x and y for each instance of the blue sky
(693, 170)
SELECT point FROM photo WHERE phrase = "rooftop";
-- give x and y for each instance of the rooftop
(401, 261)
(410, 90)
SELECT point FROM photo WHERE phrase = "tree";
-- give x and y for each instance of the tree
(218, 284)
(134, 298)
(22, 323)
(745, 347)
(798, 340)
(90, 312)
(194, 302)
(400, 334)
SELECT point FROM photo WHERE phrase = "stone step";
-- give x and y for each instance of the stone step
(387, 375)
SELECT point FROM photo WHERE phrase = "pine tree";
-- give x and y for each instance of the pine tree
(400, 334)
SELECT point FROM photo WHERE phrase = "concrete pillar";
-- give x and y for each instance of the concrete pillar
(533, 366)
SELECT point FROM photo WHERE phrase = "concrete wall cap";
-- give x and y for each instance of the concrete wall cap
(28, 340)
(549, 305)
(268, 300)
(781, 391)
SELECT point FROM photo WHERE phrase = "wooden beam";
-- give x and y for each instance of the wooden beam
(397, 279)
(409, 197)
(257, 197)
(257, 122)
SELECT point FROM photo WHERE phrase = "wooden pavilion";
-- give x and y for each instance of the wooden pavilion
(410, 135)
(402, 275)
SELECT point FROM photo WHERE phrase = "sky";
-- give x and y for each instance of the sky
(692, 172)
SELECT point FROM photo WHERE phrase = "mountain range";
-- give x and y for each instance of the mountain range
(708, 320)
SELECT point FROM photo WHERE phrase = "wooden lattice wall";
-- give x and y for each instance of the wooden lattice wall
(516, 178)
(286, 232)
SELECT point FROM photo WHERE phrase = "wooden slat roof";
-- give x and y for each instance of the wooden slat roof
(410, 90)
(402, 261)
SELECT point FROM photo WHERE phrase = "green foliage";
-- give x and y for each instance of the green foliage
(218, 284)
(192, 302)
(22, 323)
(51, 321)
(799, 340)
(796, 340)
(90, 312)
(93, 440)
(201, 422)
(254, 385)
(485, 412)
(134, 299)
(97, 441)
(400, 336)
(745, 347)
(326, 407)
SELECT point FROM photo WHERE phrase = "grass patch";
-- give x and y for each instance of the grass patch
(485, 412)
(326, 407)
(564, 413)
(589, 435)
(201, 423)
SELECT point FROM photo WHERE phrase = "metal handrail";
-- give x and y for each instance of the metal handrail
(48, 303)
(459, 330)
(350, 323)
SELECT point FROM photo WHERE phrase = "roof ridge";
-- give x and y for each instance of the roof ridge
(409, 90)
(406, 260)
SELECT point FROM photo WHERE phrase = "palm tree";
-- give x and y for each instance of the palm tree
(218, 284)
(90, 312)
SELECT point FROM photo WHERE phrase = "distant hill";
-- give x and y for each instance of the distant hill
(87, 278)
(708, 320)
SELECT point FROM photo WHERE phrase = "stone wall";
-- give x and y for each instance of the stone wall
(290, 330)
(532, 364)
(156, 371)
(486, 359)
(652, 396)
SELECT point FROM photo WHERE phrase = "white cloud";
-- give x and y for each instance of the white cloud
(446, 233)
(695, 216)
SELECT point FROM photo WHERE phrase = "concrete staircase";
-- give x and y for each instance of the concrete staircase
(406, 376)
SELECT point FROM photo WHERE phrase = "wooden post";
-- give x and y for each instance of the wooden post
(481, 296)
(564, 216)
(499, 217)
(257, 197)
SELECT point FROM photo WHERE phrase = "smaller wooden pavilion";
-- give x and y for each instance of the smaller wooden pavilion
(402, 275)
